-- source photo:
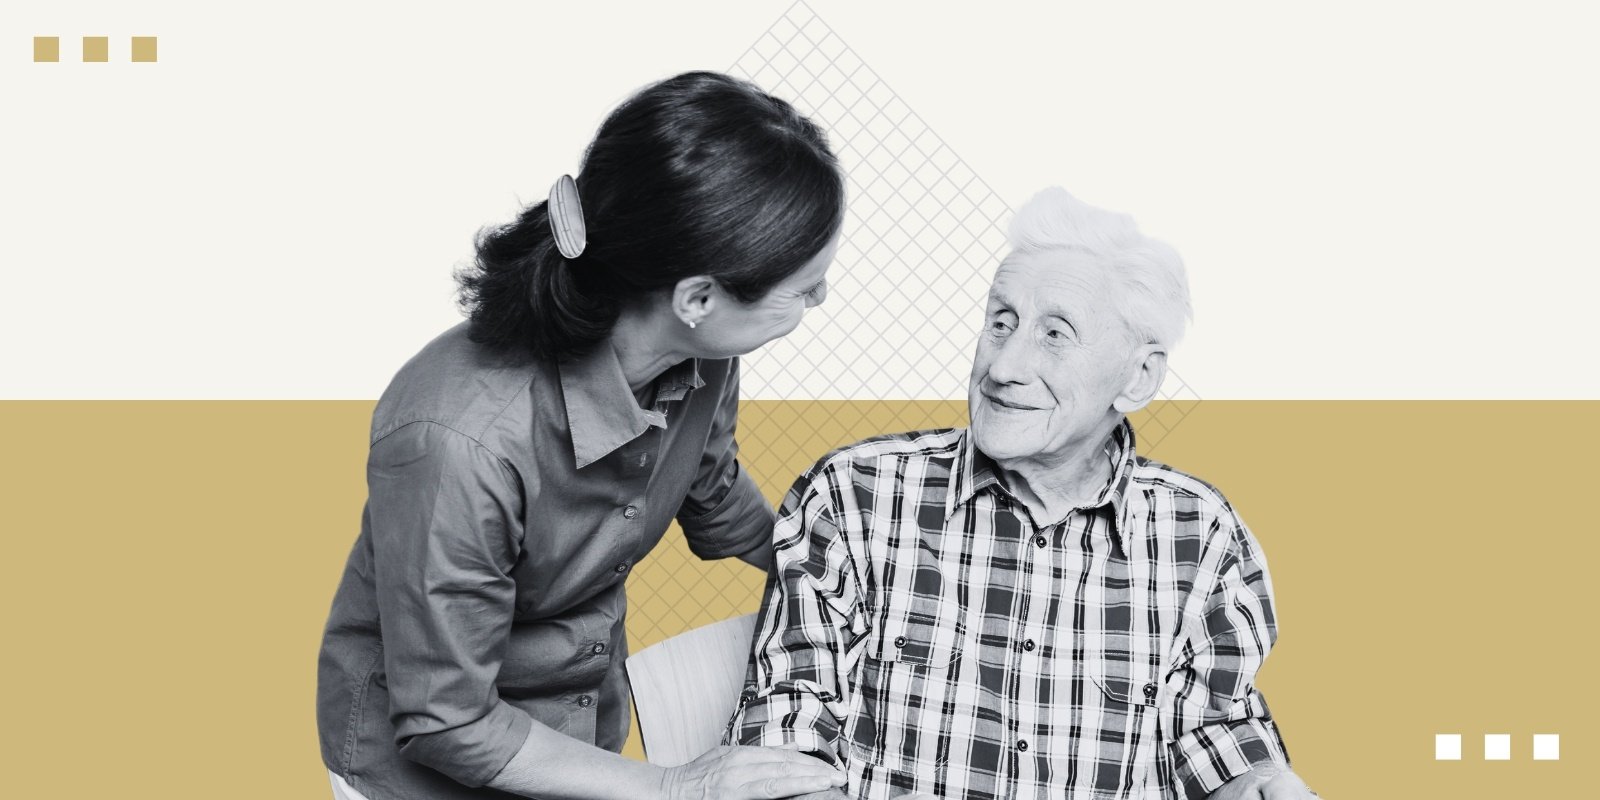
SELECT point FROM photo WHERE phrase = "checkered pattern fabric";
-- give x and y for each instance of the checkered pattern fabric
(923, 632)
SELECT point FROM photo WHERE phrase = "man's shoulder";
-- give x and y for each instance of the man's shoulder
(1155, 476)
(935, 443)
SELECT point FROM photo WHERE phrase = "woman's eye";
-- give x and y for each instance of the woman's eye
(817, 294)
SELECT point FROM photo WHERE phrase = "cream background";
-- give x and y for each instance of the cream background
(1376, 200)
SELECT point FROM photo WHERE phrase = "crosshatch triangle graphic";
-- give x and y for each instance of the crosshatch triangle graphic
(922, 236)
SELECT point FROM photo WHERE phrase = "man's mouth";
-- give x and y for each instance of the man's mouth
(1013, 406)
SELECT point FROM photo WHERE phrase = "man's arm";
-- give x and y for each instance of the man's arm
(1226, 746)
(798, 683)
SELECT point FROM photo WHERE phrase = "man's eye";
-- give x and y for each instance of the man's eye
(1055, 334)
(999, 326)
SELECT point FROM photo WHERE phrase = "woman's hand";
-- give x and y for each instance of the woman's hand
(749, 773)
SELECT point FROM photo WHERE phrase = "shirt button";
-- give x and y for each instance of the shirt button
(1041, 541)
(630, 512)
(1022, 745)
(585, 701)
(899, 641)
(1028, 645)
(621, 568)
(599, 648)
(1150, 690)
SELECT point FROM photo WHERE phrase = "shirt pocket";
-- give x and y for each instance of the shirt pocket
(1121, 717)
(898, 721)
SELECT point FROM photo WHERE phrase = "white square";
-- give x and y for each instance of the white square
(1447, 747)
(896, 142)
(784, 62)
(1497, 747)
(783, 30)
(815, 63)
(1546, 747)
(879, 94)
(767, 46)
(815, 30)
(848, 63)
(895, 110)
(847, 94)
(831, 46)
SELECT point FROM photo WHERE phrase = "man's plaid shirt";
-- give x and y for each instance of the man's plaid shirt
(922, 632)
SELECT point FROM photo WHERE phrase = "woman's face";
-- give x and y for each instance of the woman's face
(735, 328)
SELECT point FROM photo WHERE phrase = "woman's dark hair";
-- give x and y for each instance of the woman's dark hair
(700, 174)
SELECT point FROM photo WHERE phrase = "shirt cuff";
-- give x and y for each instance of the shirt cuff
(787, 717)
(1209, 756)
(740, 523)
(473, 753)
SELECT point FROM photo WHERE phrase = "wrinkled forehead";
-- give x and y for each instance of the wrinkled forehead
(1052, 280)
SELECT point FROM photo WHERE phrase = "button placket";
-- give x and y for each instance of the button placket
(1034, 594)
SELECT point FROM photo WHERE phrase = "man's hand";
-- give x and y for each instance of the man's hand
(1265, 782)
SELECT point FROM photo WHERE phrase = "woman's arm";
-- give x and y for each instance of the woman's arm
(759, 557)
(445, 525)
(557, 767)
(725, 513)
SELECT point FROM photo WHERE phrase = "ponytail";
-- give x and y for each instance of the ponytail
(699, 174)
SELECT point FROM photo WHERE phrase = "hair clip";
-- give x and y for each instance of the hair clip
(566, 217)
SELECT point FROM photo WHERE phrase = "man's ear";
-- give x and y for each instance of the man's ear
(1144, 381)
(693, 299)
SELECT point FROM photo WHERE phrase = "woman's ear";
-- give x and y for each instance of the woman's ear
(1149, 370)
(693, 299)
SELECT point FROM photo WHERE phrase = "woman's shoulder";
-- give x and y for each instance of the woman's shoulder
(458, 383)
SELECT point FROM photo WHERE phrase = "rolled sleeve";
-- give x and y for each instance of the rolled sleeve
(797, 686)
(1224, 728)
(1209, 756)
(444, 536)
(724, 513)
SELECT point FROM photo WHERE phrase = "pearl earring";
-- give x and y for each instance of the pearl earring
(691, 325)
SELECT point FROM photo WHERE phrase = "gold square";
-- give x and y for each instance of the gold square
(96, 48)
(46, 48)
(144, 49)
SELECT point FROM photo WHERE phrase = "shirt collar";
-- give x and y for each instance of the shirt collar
(973, 472)
(602, 414)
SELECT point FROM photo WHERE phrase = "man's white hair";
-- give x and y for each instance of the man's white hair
(1154, 286)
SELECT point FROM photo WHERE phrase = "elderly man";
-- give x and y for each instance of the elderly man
(1027, 608)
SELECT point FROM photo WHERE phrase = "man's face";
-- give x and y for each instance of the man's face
(1052, 357)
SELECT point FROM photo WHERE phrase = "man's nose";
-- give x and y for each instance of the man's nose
(1013, 360)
